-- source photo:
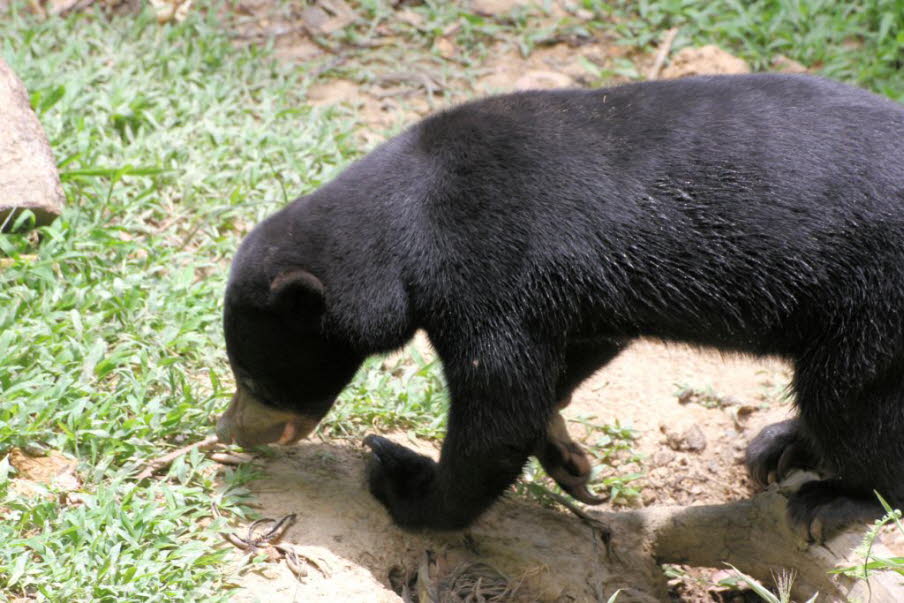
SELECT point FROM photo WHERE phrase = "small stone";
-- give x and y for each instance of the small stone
(691, 439)
(694, 439)
(663, 457)
(445, 47)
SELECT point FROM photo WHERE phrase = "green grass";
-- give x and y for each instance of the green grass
(871, 561)
(406, 393)
(173, 142)
(857, 42)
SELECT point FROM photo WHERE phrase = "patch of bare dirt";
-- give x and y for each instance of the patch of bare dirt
(361, 553)
(396, 94)
(561, 65)
(707, 60)
(694, 444)
(783, 64)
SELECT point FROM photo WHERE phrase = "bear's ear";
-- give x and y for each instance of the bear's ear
(297, 292)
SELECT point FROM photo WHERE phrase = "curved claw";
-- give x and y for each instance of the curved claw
(572, 476)
(583, 494)
(795, 457)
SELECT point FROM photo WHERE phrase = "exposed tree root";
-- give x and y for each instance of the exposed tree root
(755, 536)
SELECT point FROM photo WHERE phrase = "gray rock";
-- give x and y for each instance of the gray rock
(28, 172)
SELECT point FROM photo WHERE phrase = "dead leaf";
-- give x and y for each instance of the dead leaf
(35, 475)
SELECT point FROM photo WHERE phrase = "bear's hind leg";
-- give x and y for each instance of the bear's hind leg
(822, 508)
(857, 431)
(562, 458)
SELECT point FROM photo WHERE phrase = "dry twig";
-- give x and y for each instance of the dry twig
(294, 561)
(662, 53)
(167, 459)
(253, 540)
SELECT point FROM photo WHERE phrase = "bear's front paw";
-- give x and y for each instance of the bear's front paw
(402, 480)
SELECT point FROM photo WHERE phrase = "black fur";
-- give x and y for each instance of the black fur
(529, 232)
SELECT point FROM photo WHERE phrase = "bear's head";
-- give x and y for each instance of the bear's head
(288, 369)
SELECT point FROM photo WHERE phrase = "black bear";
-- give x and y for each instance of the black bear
(533, 235)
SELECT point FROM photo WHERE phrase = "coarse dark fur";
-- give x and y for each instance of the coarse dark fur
(533, 235)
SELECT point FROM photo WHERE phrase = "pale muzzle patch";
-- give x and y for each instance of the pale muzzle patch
(248, 422)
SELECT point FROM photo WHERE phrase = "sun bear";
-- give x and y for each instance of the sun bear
(533, 235)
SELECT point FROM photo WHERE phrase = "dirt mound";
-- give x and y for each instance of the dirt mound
(360, 552)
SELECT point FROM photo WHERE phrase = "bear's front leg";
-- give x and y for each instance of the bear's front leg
(421, 493)
(492, 431)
